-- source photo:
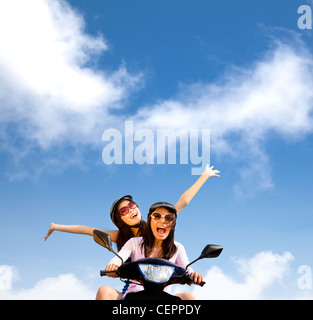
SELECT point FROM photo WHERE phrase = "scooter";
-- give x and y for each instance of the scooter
(154, 274)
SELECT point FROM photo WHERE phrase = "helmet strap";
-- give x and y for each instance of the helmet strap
(137, 225)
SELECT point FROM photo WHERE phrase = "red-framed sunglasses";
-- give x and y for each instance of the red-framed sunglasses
(124, 210)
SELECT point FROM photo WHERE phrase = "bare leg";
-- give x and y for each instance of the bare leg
(108, 293)
(186, 296)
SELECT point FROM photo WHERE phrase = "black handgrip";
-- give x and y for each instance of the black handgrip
(104, 273)
(188, 280)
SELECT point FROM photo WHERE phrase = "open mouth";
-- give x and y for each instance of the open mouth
(134, 215)
(161, 230)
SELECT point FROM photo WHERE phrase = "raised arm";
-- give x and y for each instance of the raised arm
(78, 229)
(187, 196)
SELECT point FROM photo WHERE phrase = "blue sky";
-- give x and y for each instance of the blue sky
(72, 69)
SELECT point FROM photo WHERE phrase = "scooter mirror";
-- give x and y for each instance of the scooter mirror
(103, 239)
(211, 251)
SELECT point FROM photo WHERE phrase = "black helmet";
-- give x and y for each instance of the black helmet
(163, 204)
(166, 205)
(114, 207)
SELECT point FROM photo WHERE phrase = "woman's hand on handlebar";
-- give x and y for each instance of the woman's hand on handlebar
(111, 267)
(197, 278)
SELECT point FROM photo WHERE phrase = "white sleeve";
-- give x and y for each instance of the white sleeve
(181, 258)
(124, 253)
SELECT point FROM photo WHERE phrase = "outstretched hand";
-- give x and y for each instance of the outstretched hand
(210, 172)
(51, 229)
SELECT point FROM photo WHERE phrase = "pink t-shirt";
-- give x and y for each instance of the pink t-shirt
(133, 249)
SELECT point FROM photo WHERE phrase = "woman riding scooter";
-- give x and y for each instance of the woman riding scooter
(157, 242)
(129, 224)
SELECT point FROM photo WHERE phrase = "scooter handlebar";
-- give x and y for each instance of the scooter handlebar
(104, 273)
(189, 279)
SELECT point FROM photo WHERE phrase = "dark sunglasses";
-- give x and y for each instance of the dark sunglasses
(124, 210)
(168, 217)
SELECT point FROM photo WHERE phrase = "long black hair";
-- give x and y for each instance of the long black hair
(125, 232)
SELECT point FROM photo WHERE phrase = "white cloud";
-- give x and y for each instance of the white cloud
(273, 94)
(51, 90)
(243, 108)
(259, 274)
(6, 277)
(62, 287)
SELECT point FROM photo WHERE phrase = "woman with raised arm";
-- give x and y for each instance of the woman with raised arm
(126, 215)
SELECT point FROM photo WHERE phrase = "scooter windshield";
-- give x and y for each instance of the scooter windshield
(156, 273)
